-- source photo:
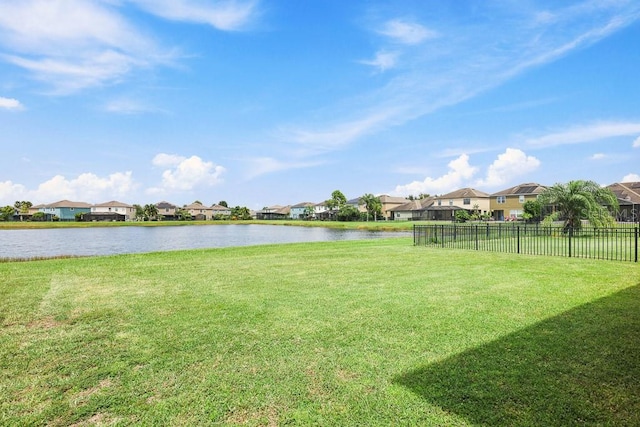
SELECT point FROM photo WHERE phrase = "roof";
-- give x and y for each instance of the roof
(220, 208)
(196, 206)
(113, 204)
(303, 205)
(464, 193)
(165, 205)
(531, 188)
(626, 191)
(67, 204)
(384, 199)
(414, 205)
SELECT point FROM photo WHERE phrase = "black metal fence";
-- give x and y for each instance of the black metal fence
(618, 243)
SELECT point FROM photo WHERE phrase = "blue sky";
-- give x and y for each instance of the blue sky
(263, 102)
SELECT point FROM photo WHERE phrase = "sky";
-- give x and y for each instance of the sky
(265, 102)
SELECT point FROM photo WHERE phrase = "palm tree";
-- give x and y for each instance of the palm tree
(150, 212)
(578, 200)
(372, 204)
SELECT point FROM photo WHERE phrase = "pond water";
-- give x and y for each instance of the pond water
(95, 241)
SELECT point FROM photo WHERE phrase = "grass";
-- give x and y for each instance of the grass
(374, 332)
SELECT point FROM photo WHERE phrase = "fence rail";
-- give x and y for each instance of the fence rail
(618, 244)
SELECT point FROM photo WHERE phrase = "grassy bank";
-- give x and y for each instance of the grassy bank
(375, 332)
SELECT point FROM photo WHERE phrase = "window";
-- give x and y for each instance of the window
(521, 199)
(439, 202)
(466, 201)
(450, 202)
(501, 199)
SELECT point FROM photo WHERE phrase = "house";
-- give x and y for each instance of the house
(390, 202)
(199, 212)
(468, 199)
(628, 194)
(508, 204)
(64, 210)
(302, 210)
(412, 210)
(220, 211)
(274, 212)
(166, 210)
(111, 211)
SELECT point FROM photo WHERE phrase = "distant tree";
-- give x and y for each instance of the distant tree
(372, 204)
(348, 213)
(183, 214)
(22, 207)
(578, 200)
(462, 216)
(309, 211)
(223, 203)
(240, 212)
(337, 200)
(139, 212)
(197, 202)
(38, 216)
(150, 212)
(418, 197)
(7, 212)
(532, 211)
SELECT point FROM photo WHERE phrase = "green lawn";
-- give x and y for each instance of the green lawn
(375, 332)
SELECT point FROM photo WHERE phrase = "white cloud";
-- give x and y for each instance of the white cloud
(87, 187)
(130, 107)
(632, 177)
(459, 172)
(224, 15)
(74, 44)
(406, 32)
(587, 133)
(510, 164)
(10, 192)
(185, 173)
(10, 104)
(598, 156)
(383, 60)
(636, 143)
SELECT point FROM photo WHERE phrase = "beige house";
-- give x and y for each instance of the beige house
(219, 210)
(508, 204)
(166, 210)
(468, 199)
(199, 211)
(115, 207)
(628, 194)
(390, 202)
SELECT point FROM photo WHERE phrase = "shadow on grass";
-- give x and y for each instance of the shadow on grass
(580, 367)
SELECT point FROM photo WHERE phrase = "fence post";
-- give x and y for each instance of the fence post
(636, 256)
(570, 236)
(518, 237)
(442, 235)
(476, 237)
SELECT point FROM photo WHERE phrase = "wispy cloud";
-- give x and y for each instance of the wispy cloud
(598, 156)
(129, 106)
(10, 104)
(406, 32)
(263, 165)
(226, 15)
(636, 143)
(586, 133)
(462, 62)
(383, 60)
(71, 45)
(76, 44)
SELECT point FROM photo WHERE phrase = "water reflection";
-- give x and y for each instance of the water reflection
(121, 240)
